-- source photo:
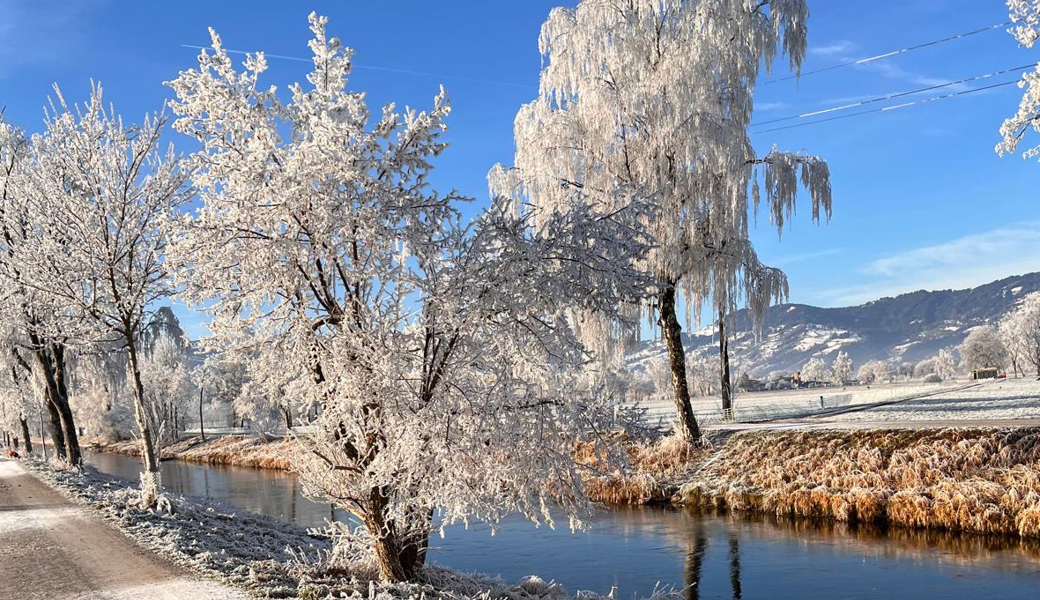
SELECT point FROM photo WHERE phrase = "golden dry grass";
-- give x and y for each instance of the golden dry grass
(978, 480)
(656, 467)
(237, 451)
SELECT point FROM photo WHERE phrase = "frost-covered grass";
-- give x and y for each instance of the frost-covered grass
(999, 399)
(978, 480)
(269, 558)
(768, 405)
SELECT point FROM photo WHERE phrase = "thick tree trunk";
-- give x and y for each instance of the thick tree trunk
(75, 457)
(51, 362)
(151, 484)
(727, 392)
(25, 434)
(54, 425)
(400, 556)
(672, 331)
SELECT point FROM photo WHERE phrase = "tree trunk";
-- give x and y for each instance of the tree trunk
(25, 434)
(202, 425)
(687, 423)
(51, 362)
(399, 558)
(75, 457)
(287, 415)
(727, 394)
(151, 484)
(54, 425)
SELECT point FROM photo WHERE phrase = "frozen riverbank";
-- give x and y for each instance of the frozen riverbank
(267, 557)
(234, 450)
(982, 480)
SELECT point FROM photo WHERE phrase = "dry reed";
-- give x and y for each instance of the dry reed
(977, 480)
(240, 451)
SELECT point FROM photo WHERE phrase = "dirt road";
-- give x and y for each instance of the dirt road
(53, 549)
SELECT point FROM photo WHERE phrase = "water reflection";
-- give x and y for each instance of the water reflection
(704, 555)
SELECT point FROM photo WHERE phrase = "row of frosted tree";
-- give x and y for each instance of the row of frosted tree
(444, 367)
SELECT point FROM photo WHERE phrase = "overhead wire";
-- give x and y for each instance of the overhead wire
(891, 53)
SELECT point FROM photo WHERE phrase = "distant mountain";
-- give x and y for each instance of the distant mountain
(906, 328)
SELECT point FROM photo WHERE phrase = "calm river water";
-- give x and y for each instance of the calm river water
(634, 549)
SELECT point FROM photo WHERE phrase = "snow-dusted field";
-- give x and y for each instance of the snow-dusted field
(754, 406)
(1000, 399)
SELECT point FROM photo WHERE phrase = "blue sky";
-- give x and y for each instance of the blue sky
(921, 201)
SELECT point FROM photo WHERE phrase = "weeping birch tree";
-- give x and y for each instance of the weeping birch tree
(99, 195)
(651, 100)
(442, 356)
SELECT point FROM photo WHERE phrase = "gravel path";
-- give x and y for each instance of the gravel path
(51, 548)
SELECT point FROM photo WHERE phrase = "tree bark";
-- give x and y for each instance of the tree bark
(287, 415)
(672, 331)
(51, 362)
(150, 483)
(727, 392)
(202, 425)
(54, 425)
(25, 434)
(400, 556)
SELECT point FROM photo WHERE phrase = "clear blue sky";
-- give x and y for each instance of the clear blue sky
(921, 201)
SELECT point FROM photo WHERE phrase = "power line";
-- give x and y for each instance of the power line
(895, 95)
(893, 107)
(892, 53)
(382, 69)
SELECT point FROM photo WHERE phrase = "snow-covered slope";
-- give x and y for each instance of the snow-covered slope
(907, 328)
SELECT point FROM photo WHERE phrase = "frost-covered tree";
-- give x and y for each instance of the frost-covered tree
(873, 371)
(1024, 323)
(983, 348)
(99, 194)
(33, 327)
(17, 398)
(1012, 334)
(1026, 30)
(841, 369)
(219, 381)
(167, 385)
(924, 367)
(443, 358)
(945, 366)
(650, 100)
(815, 369)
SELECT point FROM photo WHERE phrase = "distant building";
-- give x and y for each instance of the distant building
(987, 373)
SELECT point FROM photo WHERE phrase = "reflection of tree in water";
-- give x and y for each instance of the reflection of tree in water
(694, 560)
(734, 565)
(693, 571)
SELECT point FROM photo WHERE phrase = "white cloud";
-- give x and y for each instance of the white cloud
(795, 258)
(840, 47)
(963, 262)
(771, 105)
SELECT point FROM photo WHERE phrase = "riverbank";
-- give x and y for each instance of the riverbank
(269, 558)
(234, 450)
(978, 480)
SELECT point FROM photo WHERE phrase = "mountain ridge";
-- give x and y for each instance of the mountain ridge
(904, 328)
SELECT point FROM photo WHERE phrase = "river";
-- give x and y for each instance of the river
(634, 549)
